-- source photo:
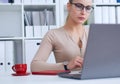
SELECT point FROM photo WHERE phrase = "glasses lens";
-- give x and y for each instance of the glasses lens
(79, 6)
(89, 8)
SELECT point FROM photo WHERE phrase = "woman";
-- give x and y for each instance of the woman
(68, 42)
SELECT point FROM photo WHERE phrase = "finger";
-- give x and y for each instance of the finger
(78, 65)
(79, 61)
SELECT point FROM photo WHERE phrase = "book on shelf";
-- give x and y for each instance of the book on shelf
(26, 20)
(29, 17)
(36, 18)
(42, 18)
(49, 17)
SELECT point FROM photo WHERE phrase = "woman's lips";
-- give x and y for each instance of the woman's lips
(81, 18)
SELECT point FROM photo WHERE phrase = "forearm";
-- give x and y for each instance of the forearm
(40, 66)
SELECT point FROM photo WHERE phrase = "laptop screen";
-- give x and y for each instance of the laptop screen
(102, 56)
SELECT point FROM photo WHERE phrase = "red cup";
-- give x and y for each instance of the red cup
(20, 68)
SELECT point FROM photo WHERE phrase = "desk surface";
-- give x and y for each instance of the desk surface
(45, 79)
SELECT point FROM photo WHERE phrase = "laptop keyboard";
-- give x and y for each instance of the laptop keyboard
(69, 75)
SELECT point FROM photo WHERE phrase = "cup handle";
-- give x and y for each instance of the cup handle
(13, 68)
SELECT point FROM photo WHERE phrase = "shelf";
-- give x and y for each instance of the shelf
(33, 38)
(38, 7)
(9, 7)
(11, 38)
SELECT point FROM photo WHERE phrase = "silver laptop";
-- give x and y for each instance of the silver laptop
(102, 56)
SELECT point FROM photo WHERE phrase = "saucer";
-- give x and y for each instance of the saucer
(14, 74)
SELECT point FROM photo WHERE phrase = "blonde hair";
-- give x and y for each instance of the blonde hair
(70, 1)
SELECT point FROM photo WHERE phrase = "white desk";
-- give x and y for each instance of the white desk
(43, 79)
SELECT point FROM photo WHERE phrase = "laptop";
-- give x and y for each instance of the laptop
(102, 56)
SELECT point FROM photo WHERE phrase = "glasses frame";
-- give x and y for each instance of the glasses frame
(83, 7)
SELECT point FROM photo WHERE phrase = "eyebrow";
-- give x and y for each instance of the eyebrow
(82, 4)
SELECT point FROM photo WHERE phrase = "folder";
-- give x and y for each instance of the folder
(42, 18)
(53, 27)
(9, 56)
(2, 56)
(3, 1)
(112, 15)
(44, 30)
(31, 47)
(64, 1)
(29, 31)
(49, 1)
(105, 1)
(17, 1)
(98, 15)
(105, 15)
(28, 17)
(36, 18)
(98, 1)
(35, 1)
(40, 1)
(112, 1)
(27, 1)
(37, 31)
(118, 14)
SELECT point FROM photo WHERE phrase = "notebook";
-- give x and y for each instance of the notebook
(102, 55)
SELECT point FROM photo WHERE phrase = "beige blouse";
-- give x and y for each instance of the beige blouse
(64, 48)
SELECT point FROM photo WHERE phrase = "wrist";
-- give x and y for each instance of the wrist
(65, 64)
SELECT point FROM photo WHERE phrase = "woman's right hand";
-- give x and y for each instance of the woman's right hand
(76, 62)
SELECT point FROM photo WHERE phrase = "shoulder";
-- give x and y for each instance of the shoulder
(54, 32)
(51, 34)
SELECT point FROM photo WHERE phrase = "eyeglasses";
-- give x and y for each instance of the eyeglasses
(81, 7)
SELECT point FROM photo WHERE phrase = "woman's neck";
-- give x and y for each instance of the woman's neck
(73, 27)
